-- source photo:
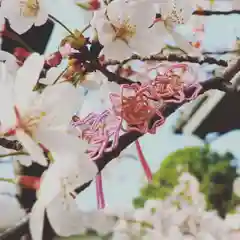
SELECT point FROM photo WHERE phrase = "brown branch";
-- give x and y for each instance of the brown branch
(170, 58)
(211, 13)
(112, 77)
(10, 144)
(236, 51)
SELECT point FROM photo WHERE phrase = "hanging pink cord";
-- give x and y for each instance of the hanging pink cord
(143, 161)
(136, 105)
(99, 192)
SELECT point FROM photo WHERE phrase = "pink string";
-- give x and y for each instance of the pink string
(143, 161)
(99, 131)
(99, 192)
(136, 108)
(133, 110)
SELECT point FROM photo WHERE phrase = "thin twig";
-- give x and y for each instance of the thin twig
(61, 24)
(169, 58)
(211, 13)
(236, 51)
(14, 154)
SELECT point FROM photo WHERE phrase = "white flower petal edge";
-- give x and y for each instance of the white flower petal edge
(10, 61)
(176, 13)
(52, 75)
(40, 118)
(26, 79)
(23, 14)
(32, 147)
(123, 32)
(36, 221)
(61, 179)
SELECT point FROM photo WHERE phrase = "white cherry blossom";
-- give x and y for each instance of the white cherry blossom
(54, 195)
(23, 14)
(123, 31)
(52, 75)
(176, 13)
(10, 62)
(40, 118)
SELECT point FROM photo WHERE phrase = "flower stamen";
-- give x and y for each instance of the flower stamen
(125, 31)
(28, 123)
(29, 8)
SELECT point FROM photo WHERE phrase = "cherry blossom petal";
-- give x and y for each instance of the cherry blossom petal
(26, 79)
(42, 17)
(10, 61)
(60, 141)
(69, 172)
(139, 9)
(11, 10)
(143, 49)
(93, 85)
(52, 74)
(24, 160)
(98, 15)
(36, 221)
(60, 102)
(184, 44)
(65, 217)
(47, 193)
(32, 147)
(236, 5)
(117, 50)
(116, 12)
(7, 115)
(106, 32)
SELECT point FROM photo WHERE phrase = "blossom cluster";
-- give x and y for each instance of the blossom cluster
(181, 215)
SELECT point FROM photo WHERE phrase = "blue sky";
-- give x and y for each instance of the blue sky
(124, 178)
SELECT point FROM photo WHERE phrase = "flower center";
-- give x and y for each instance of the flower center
(177, 14)
(125, 31)
(28, 123)
(30, 8)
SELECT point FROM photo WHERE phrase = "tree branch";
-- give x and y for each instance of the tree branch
(211, 13)
(236, 51)
(171, 58)
(10, 144)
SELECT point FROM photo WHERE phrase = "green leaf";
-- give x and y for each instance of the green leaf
(84, 6)
(214, 172)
